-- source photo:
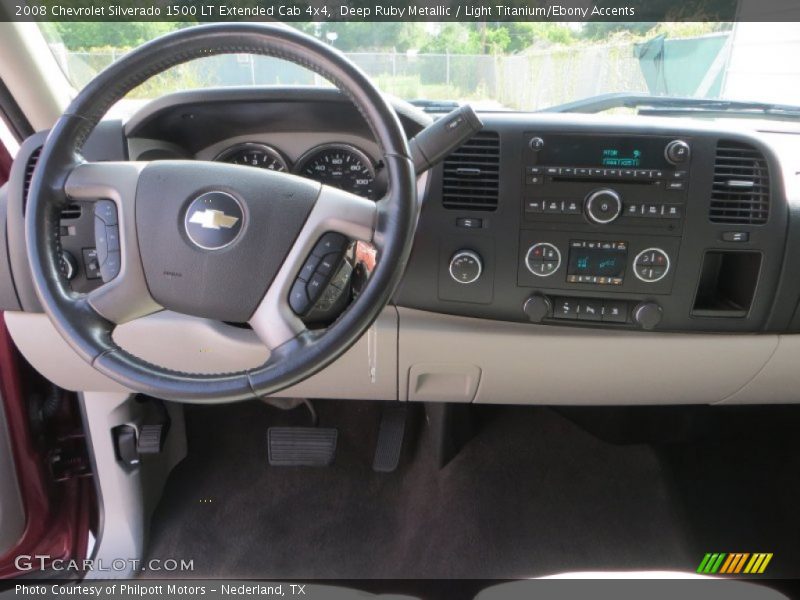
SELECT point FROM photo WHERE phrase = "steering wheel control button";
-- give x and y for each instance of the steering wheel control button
(651, 265)
(110, 267)
(106, 211)
(466, 266)
(677, 152)
(213, 220)
(309, 268)
(603, 206)
(330, 242)
(298, 298)
(328, 263)
(315, 287)
(543, 259)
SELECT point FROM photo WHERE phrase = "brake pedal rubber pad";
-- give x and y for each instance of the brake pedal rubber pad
(301, 446)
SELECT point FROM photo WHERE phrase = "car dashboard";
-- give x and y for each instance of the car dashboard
(556, 260)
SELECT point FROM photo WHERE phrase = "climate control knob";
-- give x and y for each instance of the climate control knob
(466, 266)
(603, 206)
(538, 307)
(647, 315)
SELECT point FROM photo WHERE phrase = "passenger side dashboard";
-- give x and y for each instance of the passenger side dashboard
(588, 221)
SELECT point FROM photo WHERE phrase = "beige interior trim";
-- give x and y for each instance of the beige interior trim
(421, 356)
(32, 74)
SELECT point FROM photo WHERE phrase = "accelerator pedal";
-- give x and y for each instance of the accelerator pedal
(390, 438)
(301, 446)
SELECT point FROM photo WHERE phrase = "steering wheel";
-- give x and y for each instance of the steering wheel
(214, 240)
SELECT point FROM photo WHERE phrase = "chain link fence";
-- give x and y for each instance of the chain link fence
(527, 81)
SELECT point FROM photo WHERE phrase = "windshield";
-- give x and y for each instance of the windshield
(494, 66)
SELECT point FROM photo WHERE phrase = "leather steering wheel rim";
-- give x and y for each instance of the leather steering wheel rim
(292, 360)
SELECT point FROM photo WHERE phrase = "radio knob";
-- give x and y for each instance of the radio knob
(647, 315)
(677, 152)
(466, 266)
(537, 307)
(603, 206)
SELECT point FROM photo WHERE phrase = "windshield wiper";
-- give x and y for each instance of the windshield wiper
(670, 105)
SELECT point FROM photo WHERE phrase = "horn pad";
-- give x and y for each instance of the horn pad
(213, 236)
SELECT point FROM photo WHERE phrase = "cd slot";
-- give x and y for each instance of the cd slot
(603, 180)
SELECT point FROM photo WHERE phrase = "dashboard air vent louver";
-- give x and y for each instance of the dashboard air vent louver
(70, 211)
(740, 194)
(472, 174)
(33, 159)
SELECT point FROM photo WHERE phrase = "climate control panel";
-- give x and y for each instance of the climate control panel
(567, 260)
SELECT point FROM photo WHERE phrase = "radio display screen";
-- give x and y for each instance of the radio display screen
(630, 152)
(597, 262)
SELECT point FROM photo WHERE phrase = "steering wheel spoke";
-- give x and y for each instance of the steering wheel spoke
(112, 186)
(207, 241)
(335, 212)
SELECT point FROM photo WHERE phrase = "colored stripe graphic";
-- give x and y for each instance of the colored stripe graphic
(734, 563)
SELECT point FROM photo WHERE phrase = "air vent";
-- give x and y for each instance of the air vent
(740, 194)
(472, 174)
(70, 211)
(29, 168)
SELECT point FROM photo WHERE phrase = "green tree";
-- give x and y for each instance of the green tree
(83, 36)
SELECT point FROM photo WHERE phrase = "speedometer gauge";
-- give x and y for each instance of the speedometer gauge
(341, 166)
(254, 155)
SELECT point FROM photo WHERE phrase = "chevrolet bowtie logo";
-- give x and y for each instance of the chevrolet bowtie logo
(212, 219)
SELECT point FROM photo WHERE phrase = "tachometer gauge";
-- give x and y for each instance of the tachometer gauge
(254, 155)
(339, 165)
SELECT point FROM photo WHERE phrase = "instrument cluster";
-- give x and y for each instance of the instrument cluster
(339, 165)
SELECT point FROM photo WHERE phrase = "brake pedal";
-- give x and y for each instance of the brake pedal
(390, 438)
(301, 446)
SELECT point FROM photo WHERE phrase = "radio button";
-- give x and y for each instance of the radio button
(535, 180)
(536, 143)
(651, 210)
(534, 206)
(603, 206)
(676, 185)
(572, 207)
(633, 210)
(677, 152)
(553, 206)
(671, 211)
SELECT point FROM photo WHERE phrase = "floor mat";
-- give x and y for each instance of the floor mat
(531, 494)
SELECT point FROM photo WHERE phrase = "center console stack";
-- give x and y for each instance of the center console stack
(561, 221)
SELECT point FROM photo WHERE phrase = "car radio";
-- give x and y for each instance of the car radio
(602, 210)
(638, 181)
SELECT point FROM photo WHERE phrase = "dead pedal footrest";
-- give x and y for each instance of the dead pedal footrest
(301, 446)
